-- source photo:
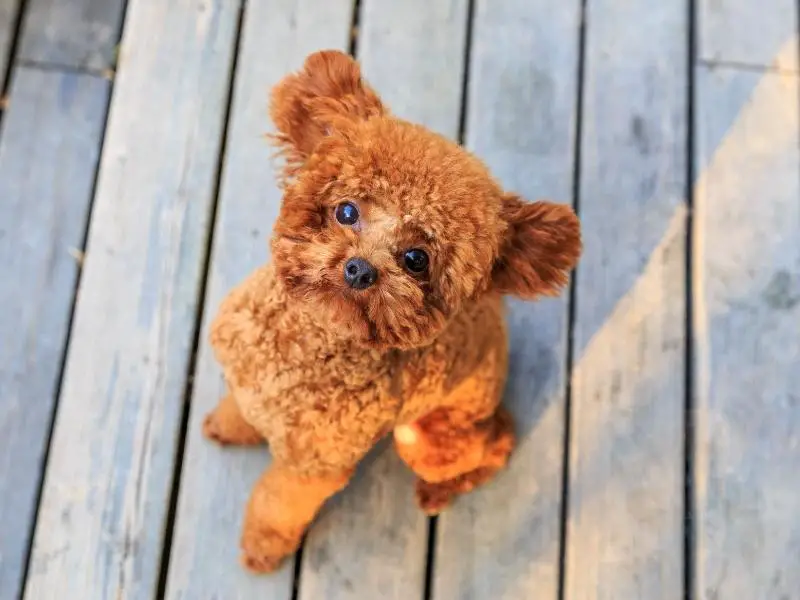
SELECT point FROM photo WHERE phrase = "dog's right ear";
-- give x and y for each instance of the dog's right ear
(541, 246)
(325, 95)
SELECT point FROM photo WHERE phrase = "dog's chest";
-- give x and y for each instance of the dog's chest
(314, 398)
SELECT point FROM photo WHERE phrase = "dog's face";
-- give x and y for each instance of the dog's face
(386, 228)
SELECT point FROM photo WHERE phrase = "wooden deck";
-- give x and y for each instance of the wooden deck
(658, 404)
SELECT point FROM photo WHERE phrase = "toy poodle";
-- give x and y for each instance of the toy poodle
(380, 310)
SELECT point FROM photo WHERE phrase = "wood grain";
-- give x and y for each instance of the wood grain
(106, 492)
(373, 539)
(48, 155)
(413, 54)
(502, 541)
(625, 510)
(8, 18)
(747, 310)
(77, 34)
(215, 484)
(748, 34)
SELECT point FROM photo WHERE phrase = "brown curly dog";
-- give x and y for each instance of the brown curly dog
(380, 310)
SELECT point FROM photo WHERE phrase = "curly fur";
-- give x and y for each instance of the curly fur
(323, 371)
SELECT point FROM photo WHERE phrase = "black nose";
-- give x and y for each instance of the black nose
(359, 274)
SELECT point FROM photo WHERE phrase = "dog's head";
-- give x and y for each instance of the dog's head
(386, 228)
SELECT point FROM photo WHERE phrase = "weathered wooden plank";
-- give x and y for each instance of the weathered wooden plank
(413, 54)
(746, 287)
(215, 485)
(373, 539)
(48, 155)
(749, 34)
(8, 18)
(625, 489)
(81, 34)
(105, 499)
(502, 541)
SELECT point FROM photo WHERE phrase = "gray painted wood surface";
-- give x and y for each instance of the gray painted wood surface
(747, 313)
(502, 541)
(373, 539)
(413, 54)
(48, 155)
(104, 505)
(747, 34)
(8, 18)
(216, 482)
(78, 34)
(625, 490)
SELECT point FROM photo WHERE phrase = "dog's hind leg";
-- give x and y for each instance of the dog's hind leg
(225, 425)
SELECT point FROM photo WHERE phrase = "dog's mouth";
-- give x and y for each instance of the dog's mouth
(335, 307)
(350, 314)
(382, 315)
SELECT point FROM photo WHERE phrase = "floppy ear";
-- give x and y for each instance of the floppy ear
(541, 246)
(323, 96)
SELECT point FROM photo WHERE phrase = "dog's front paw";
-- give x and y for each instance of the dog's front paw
(264, 550)
(433, 498)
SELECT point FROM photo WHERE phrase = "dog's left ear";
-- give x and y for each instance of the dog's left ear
(541, 246)
(325, 95)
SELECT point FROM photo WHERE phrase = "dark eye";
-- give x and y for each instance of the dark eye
(347, 213)
(416, 260)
